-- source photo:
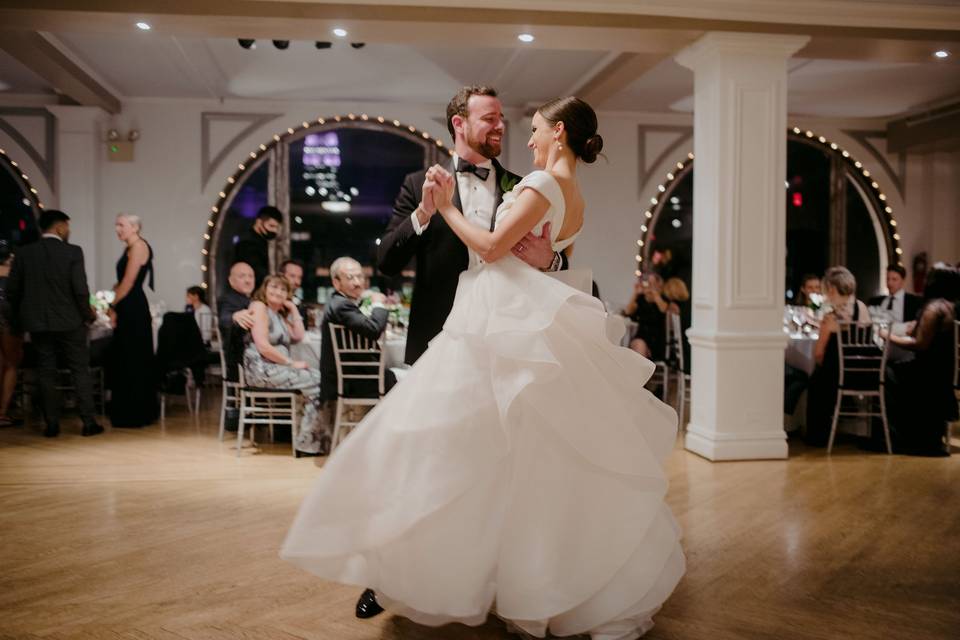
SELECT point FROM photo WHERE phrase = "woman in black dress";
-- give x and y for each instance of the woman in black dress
(132, 374)
(919, 390)
(649, 310)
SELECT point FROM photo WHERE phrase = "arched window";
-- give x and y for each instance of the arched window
(335, 180)
(19, 205)
(836, 214)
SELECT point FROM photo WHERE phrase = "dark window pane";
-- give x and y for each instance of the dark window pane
(808, 212)
(863, 255)
(17, 222)
(343, 183)
(671, 249)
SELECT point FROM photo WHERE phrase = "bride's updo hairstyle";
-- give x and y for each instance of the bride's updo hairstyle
(580, 123)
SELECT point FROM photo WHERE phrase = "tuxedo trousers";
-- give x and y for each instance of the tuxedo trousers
(71, 349)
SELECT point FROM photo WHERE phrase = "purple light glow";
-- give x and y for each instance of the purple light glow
(321, 150)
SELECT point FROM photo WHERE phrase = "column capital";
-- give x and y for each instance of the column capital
(718, 44)
(77, 119)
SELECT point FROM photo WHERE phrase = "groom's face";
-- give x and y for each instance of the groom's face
(483, 127)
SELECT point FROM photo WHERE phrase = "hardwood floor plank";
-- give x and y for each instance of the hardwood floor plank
(164, 534)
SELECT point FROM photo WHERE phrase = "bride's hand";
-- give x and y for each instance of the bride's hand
(442, 186)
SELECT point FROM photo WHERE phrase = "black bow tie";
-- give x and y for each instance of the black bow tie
(468, 167)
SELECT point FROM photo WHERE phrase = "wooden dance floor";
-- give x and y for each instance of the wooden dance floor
(163, 534)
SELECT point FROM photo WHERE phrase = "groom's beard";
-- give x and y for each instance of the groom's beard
(485, 147)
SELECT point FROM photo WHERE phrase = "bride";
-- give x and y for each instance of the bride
(518, 467)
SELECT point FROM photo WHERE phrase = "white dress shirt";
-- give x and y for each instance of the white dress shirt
(477, 198)
(897, 310)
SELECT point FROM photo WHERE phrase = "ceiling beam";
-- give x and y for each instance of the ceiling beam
(42, 57)
(616, 76)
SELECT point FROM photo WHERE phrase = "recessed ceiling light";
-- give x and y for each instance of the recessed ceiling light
(340, 33)
(942, 54)
(143, 26)
(526, 37)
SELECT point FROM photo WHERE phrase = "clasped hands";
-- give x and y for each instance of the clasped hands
(438, 188)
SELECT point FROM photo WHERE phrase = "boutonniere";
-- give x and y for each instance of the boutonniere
(507, 182)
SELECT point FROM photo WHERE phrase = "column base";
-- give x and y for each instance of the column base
(736, 446)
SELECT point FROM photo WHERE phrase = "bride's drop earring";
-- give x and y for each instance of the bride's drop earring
(559, 146)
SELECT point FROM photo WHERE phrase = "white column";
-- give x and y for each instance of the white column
(739, 244)
(79, 153)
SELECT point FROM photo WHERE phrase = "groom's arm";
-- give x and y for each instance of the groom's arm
(399, 243)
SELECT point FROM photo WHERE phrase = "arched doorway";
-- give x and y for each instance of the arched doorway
(836, 214)
(335, 179)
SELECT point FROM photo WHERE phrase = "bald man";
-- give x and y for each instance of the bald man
(234, 317)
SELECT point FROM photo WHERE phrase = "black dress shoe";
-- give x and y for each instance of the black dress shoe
(307, 454)
(367, 605)
(52, 431)
(91, 429)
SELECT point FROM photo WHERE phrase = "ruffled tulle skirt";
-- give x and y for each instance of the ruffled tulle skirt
(517, 469)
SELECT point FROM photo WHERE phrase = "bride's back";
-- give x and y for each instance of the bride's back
(574, 207)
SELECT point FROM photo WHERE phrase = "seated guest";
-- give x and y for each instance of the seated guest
(839, 288)
(919, 391)
(292, 270)
(235, 318)
(197, 304)
(902, 306)
(343, 308)
(648, 309)
(677, 295)
(810, 284)
(267, 362)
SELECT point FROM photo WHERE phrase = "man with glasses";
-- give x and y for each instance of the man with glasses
(343, 308)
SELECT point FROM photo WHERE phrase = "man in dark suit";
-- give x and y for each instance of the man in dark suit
(292, 272)
(49, 298)
(903, 306)
(253, 247)
(234, 316)
(475, 120)
(343, 308)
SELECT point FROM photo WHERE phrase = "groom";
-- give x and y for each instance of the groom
(475, 120)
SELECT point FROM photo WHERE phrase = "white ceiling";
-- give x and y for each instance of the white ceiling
(16, 78)
(147, 64)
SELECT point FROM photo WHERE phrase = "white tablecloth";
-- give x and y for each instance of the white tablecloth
(799, 352)
(308, 349)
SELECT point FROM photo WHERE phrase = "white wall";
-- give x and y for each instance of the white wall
(162, 185)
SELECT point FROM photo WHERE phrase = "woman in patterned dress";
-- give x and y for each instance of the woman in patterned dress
(267, 361)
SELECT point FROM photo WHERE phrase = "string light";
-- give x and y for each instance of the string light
(233, 181)
(674, 175)
(32, 193)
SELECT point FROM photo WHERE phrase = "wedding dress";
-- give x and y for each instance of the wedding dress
(517, 469)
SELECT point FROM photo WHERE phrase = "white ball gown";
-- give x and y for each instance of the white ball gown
(517, 469)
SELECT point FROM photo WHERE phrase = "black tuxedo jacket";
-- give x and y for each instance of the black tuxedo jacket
(911, 305)
(47, 288)
(253, 249)
(342, 310)
(441, 257)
